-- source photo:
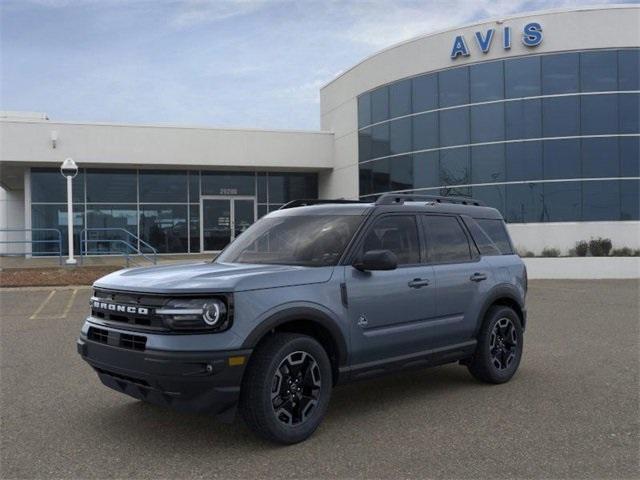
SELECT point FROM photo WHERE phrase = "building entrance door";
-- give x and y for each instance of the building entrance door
(223, 219)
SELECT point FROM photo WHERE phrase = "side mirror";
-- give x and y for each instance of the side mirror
(377, 260)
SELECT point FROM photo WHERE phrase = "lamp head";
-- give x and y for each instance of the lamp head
(69, 168)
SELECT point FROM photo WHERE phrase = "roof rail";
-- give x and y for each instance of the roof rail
(400, 198)
(306, 203)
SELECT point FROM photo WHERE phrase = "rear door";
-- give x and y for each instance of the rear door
(461, 275)
(389, 311)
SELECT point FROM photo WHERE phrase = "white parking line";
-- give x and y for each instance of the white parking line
(69, 304)
(42, 305)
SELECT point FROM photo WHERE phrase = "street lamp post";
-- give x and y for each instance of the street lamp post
(69, 170)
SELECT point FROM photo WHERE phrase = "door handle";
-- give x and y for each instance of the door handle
(478, 277)
(419, 282)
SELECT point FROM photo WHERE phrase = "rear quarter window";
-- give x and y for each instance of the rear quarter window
(497, 232)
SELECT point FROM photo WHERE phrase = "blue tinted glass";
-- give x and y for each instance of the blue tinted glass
(524, 203)
(115, 218)
(163, 186)
(561, 159)
(599, 114)
(111, 186)
(522, 77)
(380, 140)
(630, 200)
(365, 146)
(380, 104)
(381, 176)
(560, 116)
(630, 156)
(523, 119)
(562, 201)
(524, 161)
(454, 127)
(425, 92)
(601, 200)
(262, 211)
(366, 178)
(491, 195)
(487, 123)
(454, 166)
(284, 187)
(426, 170)
(194, 227)
(599, 71)
(454, 87)
(48, 185)
(400, 98)
(629, 112)
(261, 184)
(402, 173)
(560, 73)
(400, 135)
(600, 157)
(194, 186)
(425, 131)
(487, 81)
(52, 216)
(629, 69)
(165, 227)
(487, 164)
(227, 183)
(364, 110)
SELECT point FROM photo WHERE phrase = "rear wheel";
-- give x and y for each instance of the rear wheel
(499, 348)
(286, 389)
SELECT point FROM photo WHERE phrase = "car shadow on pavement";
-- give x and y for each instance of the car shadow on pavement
(358, 402)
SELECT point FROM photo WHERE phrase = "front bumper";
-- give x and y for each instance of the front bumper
(203, 382)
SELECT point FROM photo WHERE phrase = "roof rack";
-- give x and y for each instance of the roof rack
(400, 198)
(306, 203)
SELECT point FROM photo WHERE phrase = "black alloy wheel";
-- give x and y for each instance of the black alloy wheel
(296, 388)
(503, 343)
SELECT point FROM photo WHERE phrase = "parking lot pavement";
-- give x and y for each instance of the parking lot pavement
(572, 411)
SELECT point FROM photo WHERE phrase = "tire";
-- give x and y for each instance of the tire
(499, 349)
(286, 389)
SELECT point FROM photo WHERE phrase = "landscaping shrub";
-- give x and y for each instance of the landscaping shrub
(582, 248)
(524, 253)
(600, 247)
(550, 252)
(625, 252)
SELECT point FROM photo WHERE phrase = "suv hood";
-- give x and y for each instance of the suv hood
(211, 277)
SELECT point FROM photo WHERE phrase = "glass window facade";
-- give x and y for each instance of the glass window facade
(544, 138)
(161, 207)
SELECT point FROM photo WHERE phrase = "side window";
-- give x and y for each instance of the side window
(446, 241)
(498, 233)
(397, 233)
(484, 243)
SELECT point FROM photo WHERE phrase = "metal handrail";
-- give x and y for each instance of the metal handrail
(84, 240)
(32, 241)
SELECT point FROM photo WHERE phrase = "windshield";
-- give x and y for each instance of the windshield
(313, 240)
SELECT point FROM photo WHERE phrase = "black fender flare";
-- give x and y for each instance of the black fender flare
(499, 292)
(307, 313)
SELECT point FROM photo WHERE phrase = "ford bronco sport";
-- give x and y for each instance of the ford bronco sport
(312, 295)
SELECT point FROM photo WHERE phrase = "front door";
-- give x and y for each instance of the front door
(391, 312)
(223, 219)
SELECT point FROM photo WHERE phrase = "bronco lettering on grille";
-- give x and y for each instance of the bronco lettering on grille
(113, 307)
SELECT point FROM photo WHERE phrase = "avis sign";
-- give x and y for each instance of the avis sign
(531, 37)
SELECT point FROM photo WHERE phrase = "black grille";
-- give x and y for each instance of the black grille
(132, 303)
(98, 335)
(123, 340)
(134, 342)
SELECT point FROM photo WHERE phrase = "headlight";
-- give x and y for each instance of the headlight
(195, 314)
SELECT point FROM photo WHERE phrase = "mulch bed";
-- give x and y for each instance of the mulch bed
(52, 276)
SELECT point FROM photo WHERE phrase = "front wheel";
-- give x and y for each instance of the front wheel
(499, 348)
(286, 389)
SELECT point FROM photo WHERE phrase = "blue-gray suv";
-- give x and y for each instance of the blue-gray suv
(314, 294)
